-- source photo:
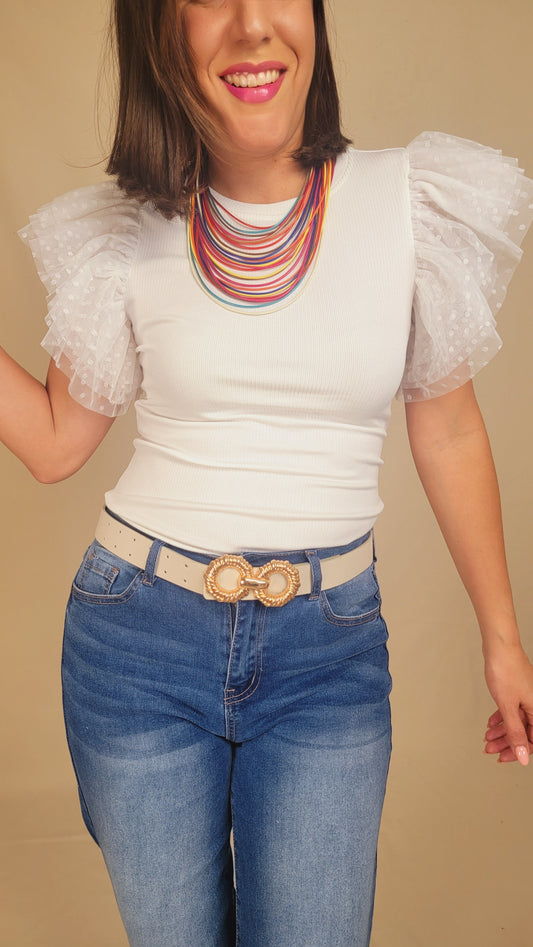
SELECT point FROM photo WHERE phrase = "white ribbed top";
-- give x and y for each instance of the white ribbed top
(263, 430)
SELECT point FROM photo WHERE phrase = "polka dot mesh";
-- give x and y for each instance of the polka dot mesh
(471, 208)
(83, 244)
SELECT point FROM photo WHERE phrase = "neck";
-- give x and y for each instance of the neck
(259, 181)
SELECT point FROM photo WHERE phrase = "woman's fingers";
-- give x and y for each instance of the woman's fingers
(516, 735)
(494, 733)
(508, 755)
(511, 737)
(509, 676)
(495, 719)
(501, 744)
(496, 746)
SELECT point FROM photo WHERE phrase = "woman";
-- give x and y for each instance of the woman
(225, 660)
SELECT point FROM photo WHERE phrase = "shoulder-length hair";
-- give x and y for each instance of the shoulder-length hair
(164, 131)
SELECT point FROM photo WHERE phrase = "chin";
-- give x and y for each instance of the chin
(261, 145)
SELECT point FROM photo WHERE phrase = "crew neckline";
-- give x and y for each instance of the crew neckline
(278, 209)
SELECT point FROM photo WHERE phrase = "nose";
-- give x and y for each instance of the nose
(252, 23)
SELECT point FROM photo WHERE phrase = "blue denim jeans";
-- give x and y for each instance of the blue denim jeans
(188, 718)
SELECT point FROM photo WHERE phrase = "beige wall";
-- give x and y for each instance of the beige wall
(455, 865)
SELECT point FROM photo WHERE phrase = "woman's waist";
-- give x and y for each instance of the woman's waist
(211, 528)
(272, 579)
(267, 504)
(256, 555)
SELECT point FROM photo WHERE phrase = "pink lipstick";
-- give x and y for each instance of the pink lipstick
(265, 84)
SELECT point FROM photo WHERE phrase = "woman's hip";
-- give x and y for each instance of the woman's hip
(235, 668)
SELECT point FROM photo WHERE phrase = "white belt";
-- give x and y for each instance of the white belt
(231, 578)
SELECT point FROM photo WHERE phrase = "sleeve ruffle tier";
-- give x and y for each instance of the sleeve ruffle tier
(83, 244)
(471, 207)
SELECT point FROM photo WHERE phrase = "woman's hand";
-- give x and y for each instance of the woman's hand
(453, 457)
(509, 676)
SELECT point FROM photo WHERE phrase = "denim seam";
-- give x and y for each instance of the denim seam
(235, 863)
(92, 564)
(91, 829)
(228, 690)
(316, 574)
(94, 598)
(86, 814)
(253, 684)
(109, 573)
(346, 620)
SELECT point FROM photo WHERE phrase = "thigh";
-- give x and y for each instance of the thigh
(307, 794)
(154, 786)
(306, 825)
(161, 818)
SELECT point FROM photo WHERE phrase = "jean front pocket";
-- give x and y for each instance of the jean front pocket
(354, 602)
(105, 578)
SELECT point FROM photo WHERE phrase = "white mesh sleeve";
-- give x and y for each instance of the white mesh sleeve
(471, 208)
(83, 244)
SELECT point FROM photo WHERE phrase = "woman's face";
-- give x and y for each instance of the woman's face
(254, 63)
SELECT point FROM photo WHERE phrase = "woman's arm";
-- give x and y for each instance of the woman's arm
(454, 461)
(42, 425)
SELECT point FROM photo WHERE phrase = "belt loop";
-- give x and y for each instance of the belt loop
(316, 573)
(375, 558)
(151, 562)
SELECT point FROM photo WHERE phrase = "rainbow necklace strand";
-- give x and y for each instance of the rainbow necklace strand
(242, 266)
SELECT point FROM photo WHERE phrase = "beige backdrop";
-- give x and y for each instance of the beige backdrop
(455, 856)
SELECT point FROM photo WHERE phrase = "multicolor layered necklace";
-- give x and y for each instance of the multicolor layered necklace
(243, 266)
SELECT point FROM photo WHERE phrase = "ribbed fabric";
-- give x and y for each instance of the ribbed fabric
(263, 430)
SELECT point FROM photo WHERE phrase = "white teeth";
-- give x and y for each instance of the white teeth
(251, 80)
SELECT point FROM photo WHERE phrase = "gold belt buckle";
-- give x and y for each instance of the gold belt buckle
(252, 579)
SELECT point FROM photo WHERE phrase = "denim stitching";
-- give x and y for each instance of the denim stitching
(94, 598)
(256, 676)
(92, 563)
(354, 620)
(258, 668)
(232, 651)
(235, 861)
(90, 827)
(350, 620)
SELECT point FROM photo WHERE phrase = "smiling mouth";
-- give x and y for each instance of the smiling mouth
(251, 80)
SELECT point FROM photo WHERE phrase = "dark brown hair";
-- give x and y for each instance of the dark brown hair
(164, 131)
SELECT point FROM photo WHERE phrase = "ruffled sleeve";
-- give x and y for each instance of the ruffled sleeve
(83, 244)
(471, 207)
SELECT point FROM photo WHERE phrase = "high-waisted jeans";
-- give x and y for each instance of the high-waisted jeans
(188, 718)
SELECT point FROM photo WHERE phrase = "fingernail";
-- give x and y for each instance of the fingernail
(522, 755)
